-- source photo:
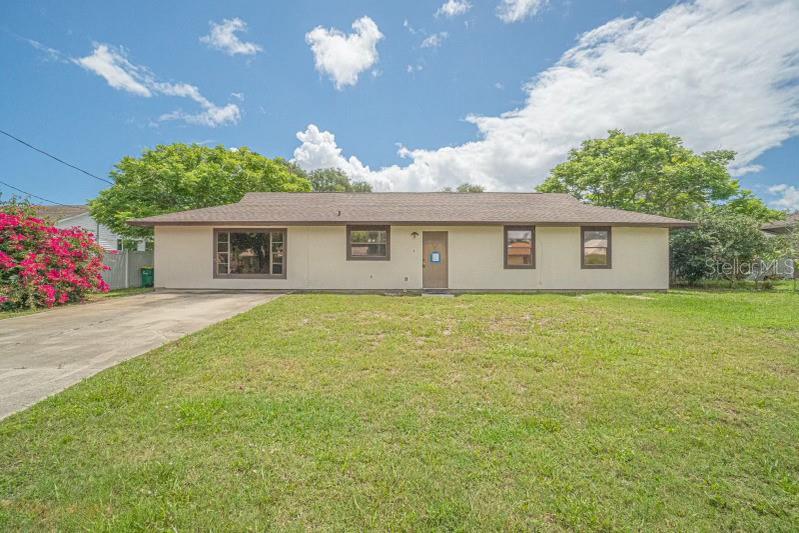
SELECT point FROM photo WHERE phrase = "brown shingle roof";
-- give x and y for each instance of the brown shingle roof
(55, 213)
(277, 208)
(782, 226)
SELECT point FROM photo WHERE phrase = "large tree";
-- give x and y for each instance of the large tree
(335, 180)
(652, 173)
(177, 177)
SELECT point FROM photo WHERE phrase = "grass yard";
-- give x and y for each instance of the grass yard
(674, 411)
(117, 293)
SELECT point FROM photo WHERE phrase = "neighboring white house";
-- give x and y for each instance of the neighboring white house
(411, 242)
(67, 216)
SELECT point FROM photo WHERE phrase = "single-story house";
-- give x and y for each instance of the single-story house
(68, 216)
(411, 242)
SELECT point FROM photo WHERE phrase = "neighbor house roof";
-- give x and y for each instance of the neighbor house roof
(59, 212)
(782, 226)
(277, 208)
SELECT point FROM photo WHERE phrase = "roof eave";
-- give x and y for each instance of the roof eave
(777, 231)
(255, 223)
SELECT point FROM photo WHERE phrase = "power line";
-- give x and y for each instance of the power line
(54, 157)
(32, 195)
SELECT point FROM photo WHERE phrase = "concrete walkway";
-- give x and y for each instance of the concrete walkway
(47, 352)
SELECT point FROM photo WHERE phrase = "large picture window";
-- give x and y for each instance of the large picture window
(368, 243)
(519, 247)
(596, 250)
(248, 253)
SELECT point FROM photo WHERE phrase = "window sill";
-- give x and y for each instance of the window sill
(249, 276)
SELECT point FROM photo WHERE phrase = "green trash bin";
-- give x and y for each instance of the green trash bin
(147, 276)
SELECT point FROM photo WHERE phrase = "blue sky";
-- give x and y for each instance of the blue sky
(407, 95)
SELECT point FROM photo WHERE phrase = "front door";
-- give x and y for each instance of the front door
(434, 260)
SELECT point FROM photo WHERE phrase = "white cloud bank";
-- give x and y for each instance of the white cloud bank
(517, 10)
(343, 57)
(787, 197)
(223, 37)
(453, 8)
(112, 64)
(706, 71)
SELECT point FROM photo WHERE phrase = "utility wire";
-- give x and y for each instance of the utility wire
(29, 194)
(54, 157)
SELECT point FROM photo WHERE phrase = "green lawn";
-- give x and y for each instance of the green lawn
(674, 411)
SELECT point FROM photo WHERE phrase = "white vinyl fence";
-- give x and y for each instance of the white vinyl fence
(126, 268)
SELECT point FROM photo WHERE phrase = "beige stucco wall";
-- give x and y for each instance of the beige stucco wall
(316, 259)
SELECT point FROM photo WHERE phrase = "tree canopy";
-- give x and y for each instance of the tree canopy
(652, 173)
(178, 177)
(335, 180)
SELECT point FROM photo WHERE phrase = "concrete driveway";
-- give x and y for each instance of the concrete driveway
(47, 352)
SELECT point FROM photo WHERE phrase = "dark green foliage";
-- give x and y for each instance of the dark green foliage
(178, 177)
(335, 180)
(465, 187)
(724, 245)
(652, 173)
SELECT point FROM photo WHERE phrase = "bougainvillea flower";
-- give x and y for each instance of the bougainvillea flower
(42, 266)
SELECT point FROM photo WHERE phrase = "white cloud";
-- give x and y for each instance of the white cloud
(788, 197)
(51, 53)
(318, 149)
(435, 40)
(212, 115)
(407, 26)
(748, 169)
(223, 37)
(112, 65)
(344, 56)
(705, 71)
(517, 10)
(453, 8)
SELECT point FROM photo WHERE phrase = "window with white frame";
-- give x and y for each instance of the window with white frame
(248, 253)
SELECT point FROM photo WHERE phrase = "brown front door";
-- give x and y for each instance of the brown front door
(435, 260)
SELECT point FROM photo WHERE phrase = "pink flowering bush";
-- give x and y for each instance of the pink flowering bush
(43, 266)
